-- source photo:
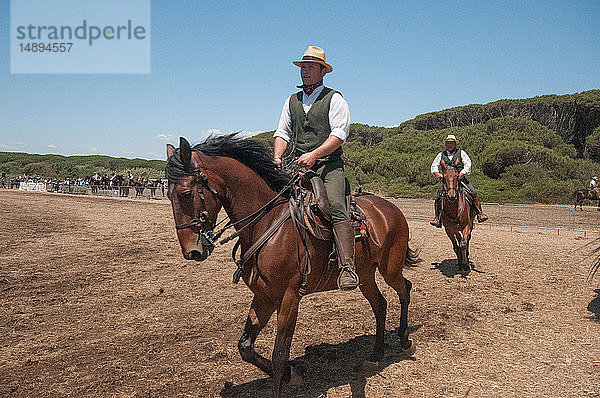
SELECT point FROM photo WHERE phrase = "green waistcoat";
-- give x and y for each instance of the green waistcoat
(455, 160)
(310, 130)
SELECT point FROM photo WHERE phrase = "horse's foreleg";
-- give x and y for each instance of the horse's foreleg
(393, 277)
(463, 248)
(456, 246)
(286, 323)
(258, 316)
(369, 289)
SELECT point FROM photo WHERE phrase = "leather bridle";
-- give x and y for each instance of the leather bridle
(208, 226)
(202, 182)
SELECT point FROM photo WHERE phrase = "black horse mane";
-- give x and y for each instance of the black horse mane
(249, 152)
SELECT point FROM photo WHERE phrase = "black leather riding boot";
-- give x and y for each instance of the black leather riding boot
(344, 240)
(480, 216)
(436, 222)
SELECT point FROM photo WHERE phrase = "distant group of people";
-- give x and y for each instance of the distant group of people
(97, 180)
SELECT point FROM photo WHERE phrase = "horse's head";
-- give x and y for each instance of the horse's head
(450, 174)
(194, 199)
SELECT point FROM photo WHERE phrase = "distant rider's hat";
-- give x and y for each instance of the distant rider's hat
(314, 54)
(450, 137)
(595, 178)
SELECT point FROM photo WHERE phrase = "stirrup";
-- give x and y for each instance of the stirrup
(351, 282)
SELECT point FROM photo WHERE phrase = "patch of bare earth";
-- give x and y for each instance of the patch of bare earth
(97, 301)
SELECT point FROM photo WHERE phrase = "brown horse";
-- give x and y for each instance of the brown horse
(581, 195)
(240, 177)
(457, 216)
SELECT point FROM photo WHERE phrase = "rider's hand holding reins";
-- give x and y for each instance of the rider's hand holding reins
(307, 160)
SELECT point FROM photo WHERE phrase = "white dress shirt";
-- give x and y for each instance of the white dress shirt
(339, 115)
(435, 166)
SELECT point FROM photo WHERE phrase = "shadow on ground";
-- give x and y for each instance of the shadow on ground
(326, 366)
(594, 306)
(450, 268)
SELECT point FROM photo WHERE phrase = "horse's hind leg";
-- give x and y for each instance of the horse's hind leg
(369, 289)
(258, 316)
(404, 296)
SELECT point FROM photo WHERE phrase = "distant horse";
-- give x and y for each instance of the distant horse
(152, 185)
(240, 177)
(581, 195)
(139, 186)
(457, 216)
(122, 183)
(94, 183)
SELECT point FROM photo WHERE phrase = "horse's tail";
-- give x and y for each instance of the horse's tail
(412, 257)
(574, 197)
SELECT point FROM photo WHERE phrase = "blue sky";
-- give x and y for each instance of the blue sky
(226, 66)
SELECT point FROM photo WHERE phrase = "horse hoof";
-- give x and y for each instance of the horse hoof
(295, 377)
(410, 351)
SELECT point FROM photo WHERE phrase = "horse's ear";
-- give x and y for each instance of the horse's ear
(185, 152)
(170, 150)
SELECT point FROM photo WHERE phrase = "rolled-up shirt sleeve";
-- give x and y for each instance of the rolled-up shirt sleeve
(435, 166)
(284, 129)
(466, 163)
(339, 117)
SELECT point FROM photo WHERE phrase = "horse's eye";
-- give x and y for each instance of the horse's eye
(187, 194)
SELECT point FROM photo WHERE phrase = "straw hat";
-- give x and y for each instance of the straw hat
(314, 54)
(450, 137)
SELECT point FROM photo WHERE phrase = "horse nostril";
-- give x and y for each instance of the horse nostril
(196, 255)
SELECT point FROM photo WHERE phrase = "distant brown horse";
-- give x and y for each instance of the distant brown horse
(153, 184)
(457, 216)
(240, 177)
(581, 195)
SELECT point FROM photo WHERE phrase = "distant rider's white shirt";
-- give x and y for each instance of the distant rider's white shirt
(593, 184)
(435, 166)
(339, 115)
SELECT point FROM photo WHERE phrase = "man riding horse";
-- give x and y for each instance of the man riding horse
(317, 120)
(461, 161)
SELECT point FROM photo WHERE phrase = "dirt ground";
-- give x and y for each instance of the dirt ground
(97, 301)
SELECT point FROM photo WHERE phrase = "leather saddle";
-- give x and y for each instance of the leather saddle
(316, 212)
